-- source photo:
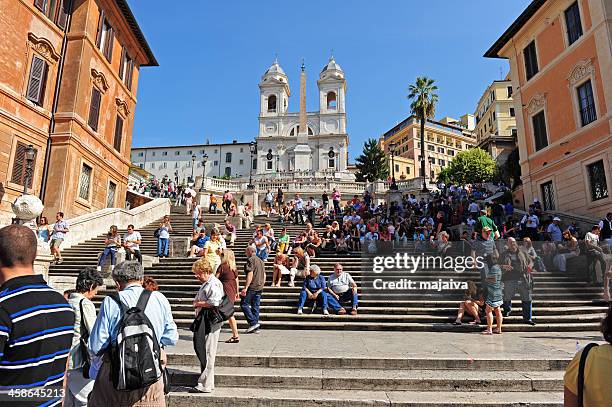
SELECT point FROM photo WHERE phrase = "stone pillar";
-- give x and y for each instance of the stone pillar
(252, 196)
(43, 260)
(203, 198)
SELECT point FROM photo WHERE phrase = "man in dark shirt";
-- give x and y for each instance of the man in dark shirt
(255, 272)
(516, 277)
(36, 324)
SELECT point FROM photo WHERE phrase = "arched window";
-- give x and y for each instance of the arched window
(272, 103)
(331, 101)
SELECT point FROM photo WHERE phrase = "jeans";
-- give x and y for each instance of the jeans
(321, 299)
(594, 257)
(113, 253)
(250, 306)
(311, 216)
(163, 247)
(136, 254)
(348, 295)
(510, 290)
(262, 253)
(194, 222)
(299, 216)
(336, 207)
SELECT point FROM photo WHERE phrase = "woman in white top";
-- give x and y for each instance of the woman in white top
(78, 386)
(210, 295)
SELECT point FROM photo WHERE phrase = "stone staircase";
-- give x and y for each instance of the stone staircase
(561, 302)
(290, 381)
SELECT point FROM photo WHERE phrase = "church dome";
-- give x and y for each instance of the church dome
(275, 68)
(332, 68)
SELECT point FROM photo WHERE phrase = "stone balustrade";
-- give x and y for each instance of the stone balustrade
(94, 224)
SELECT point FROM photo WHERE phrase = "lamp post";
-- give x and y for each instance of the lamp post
(193, 158)
(30, 154)
(204, 160)
(253, 150)
(392, 147)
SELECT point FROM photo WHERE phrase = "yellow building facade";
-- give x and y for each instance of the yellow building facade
(442, 143)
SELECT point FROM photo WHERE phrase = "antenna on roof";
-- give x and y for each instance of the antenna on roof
(501, 73)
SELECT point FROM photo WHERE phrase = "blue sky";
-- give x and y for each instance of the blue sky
(212, 55)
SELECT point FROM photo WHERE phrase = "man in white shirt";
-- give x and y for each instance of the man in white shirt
(554, 231)
(131, 243)
(595, 255)
(196, 213)
(341, 287)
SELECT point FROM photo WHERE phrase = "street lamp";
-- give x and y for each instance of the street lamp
(204, 160)
(253, 150)
(193, 158)
(30, 154)
(392, 147)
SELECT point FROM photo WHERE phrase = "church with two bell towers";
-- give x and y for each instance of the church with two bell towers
(303, 144)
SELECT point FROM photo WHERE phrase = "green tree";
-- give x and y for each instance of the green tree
(423, 105)
(444, 176)
(471, 167)
(372, 164)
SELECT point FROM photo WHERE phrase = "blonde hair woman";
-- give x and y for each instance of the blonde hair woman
(205, 343)
(213, 248)
(227, 273)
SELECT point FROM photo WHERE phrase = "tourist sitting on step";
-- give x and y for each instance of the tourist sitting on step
(197, 246)
(212, 206)
(131, 243)
(313, 247)
(327, 236)
(300, 264)
(341, 288)
(280, 269)
(341, 242)
(112, 243)
(473, 299)
(196, 232)
(442, 244)
(261, 245)
(268, 232)
(230, 232)
(567, 249)
(313, 290)
(283, 242)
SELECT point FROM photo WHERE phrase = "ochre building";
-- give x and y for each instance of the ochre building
(68, 80)
(561, 69)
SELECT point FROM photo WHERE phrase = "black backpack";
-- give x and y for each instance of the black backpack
(83, 344)
(136, 356)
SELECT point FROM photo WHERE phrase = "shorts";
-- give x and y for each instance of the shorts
(268, 204)
(283, 270)
(56, 243)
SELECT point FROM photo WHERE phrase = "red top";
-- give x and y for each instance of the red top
(228, 279)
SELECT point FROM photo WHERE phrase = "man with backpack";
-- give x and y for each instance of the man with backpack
(516, 275)
(128, 364)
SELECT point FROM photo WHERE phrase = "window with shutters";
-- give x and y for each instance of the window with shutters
(118, 133)
(512, 114)
(85, 182)
(110, 195)
(94, 108)
(586, 103)
(509, 90)
(38, 78)
(573, 23)
(597, 180)
(105, 37)
(228, 157)
(55, 10)
(20, 172)
(548, 196)
(531, 60)
(126, 68)
(539, 131)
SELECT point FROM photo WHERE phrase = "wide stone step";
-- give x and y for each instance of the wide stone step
(371, 379)
(242, 397)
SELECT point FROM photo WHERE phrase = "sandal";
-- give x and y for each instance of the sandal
(487, 332)
(233, 339)
(497, 332)
(475, 322)
(457, 323)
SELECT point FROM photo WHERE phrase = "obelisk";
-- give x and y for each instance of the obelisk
(302, 150)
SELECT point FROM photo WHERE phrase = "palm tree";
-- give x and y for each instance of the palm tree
(424, 100)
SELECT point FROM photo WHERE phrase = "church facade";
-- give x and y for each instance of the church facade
(303, 144)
